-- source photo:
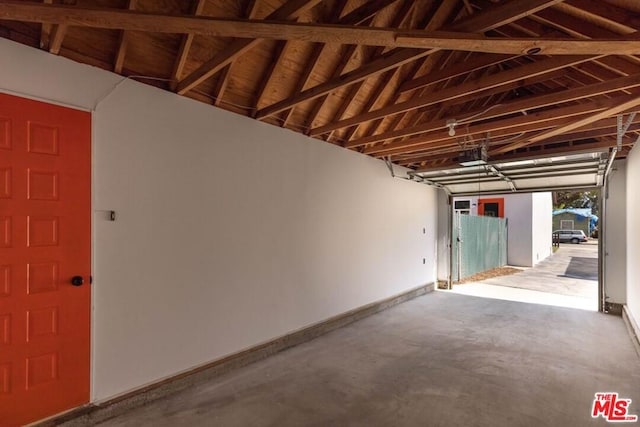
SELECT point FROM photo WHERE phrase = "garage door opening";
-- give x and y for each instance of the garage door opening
(525, 194)
(534, 260)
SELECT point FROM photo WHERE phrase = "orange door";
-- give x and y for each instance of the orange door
(491, 207)
(45, 240)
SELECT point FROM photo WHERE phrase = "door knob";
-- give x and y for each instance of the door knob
(77, 281)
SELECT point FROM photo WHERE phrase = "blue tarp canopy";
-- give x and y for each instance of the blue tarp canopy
(581, 212)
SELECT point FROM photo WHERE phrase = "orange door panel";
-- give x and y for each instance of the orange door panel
(491, 207)
(45, 241)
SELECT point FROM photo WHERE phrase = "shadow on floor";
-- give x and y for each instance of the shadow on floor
(582, 268)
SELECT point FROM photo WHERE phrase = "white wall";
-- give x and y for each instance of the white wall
(616, 235)
(517, 209)
(443, 236)
(633, 233)
(542, 226)
(229, 232)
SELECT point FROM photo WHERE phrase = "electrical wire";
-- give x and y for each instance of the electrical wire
(502, 141)
(468, 119)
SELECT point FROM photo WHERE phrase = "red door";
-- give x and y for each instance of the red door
(491, 207)
(45, 240)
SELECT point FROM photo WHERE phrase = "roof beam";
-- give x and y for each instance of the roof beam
(501, 15)
(432, 146)
(353, 18)
(358, 16)
(45, 32)
(511, 126)
(185, 44)
(276, 59)
(436, 21)
(122, 45)
(323, 33)
(621, 105)
(475, 86)
(529, 103)
(604, 130)
(606, 13)
(57, 35)
(290, 10)
(597, 130)
(465, 67)
(223, 79)
(51, 36)
(347, 55)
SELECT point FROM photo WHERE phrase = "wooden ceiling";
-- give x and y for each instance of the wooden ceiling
(387, 78)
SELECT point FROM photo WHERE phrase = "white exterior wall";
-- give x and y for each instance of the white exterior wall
(443, 236)
(633, 233)
(542, 227)
(616, 236)
(518, 210)
(229, 232)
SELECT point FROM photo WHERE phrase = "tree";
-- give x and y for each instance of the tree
(576, 199)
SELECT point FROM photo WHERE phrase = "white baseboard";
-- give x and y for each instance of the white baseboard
(632, 326)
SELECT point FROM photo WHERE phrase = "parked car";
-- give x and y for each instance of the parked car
(573, 236)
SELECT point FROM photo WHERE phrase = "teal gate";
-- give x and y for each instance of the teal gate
(479, 243)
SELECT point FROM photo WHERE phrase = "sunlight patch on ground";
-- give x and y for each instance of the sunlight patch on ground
(506, 293)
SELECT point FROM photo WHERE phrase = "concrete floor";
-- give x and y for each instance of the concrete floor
(442, 359)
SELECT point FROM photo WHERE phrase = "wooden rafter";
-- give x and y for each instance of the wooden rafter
(440, 17)
(45, 32)
(401, 96)
(469, 101)
(502, 14)
(621, 104)
(526, 104)
(381, 82)
(290, 10)
(358, 16)
(371, 101)
(122, 43)
(346, 57)
(185, 44)
(397, 57)
(605, 13)
(457, 70)
(349, 52)
(398, 20)
(584, 30)
(223, 78)
(317, 51)
(57, 35)
(319, 33)
(603, 131)
(276, 58)
(499, 79)
(512, 126)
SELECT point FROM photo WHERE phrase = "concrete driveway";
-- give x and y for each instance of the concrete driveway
(572, 270)
(568, 278)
